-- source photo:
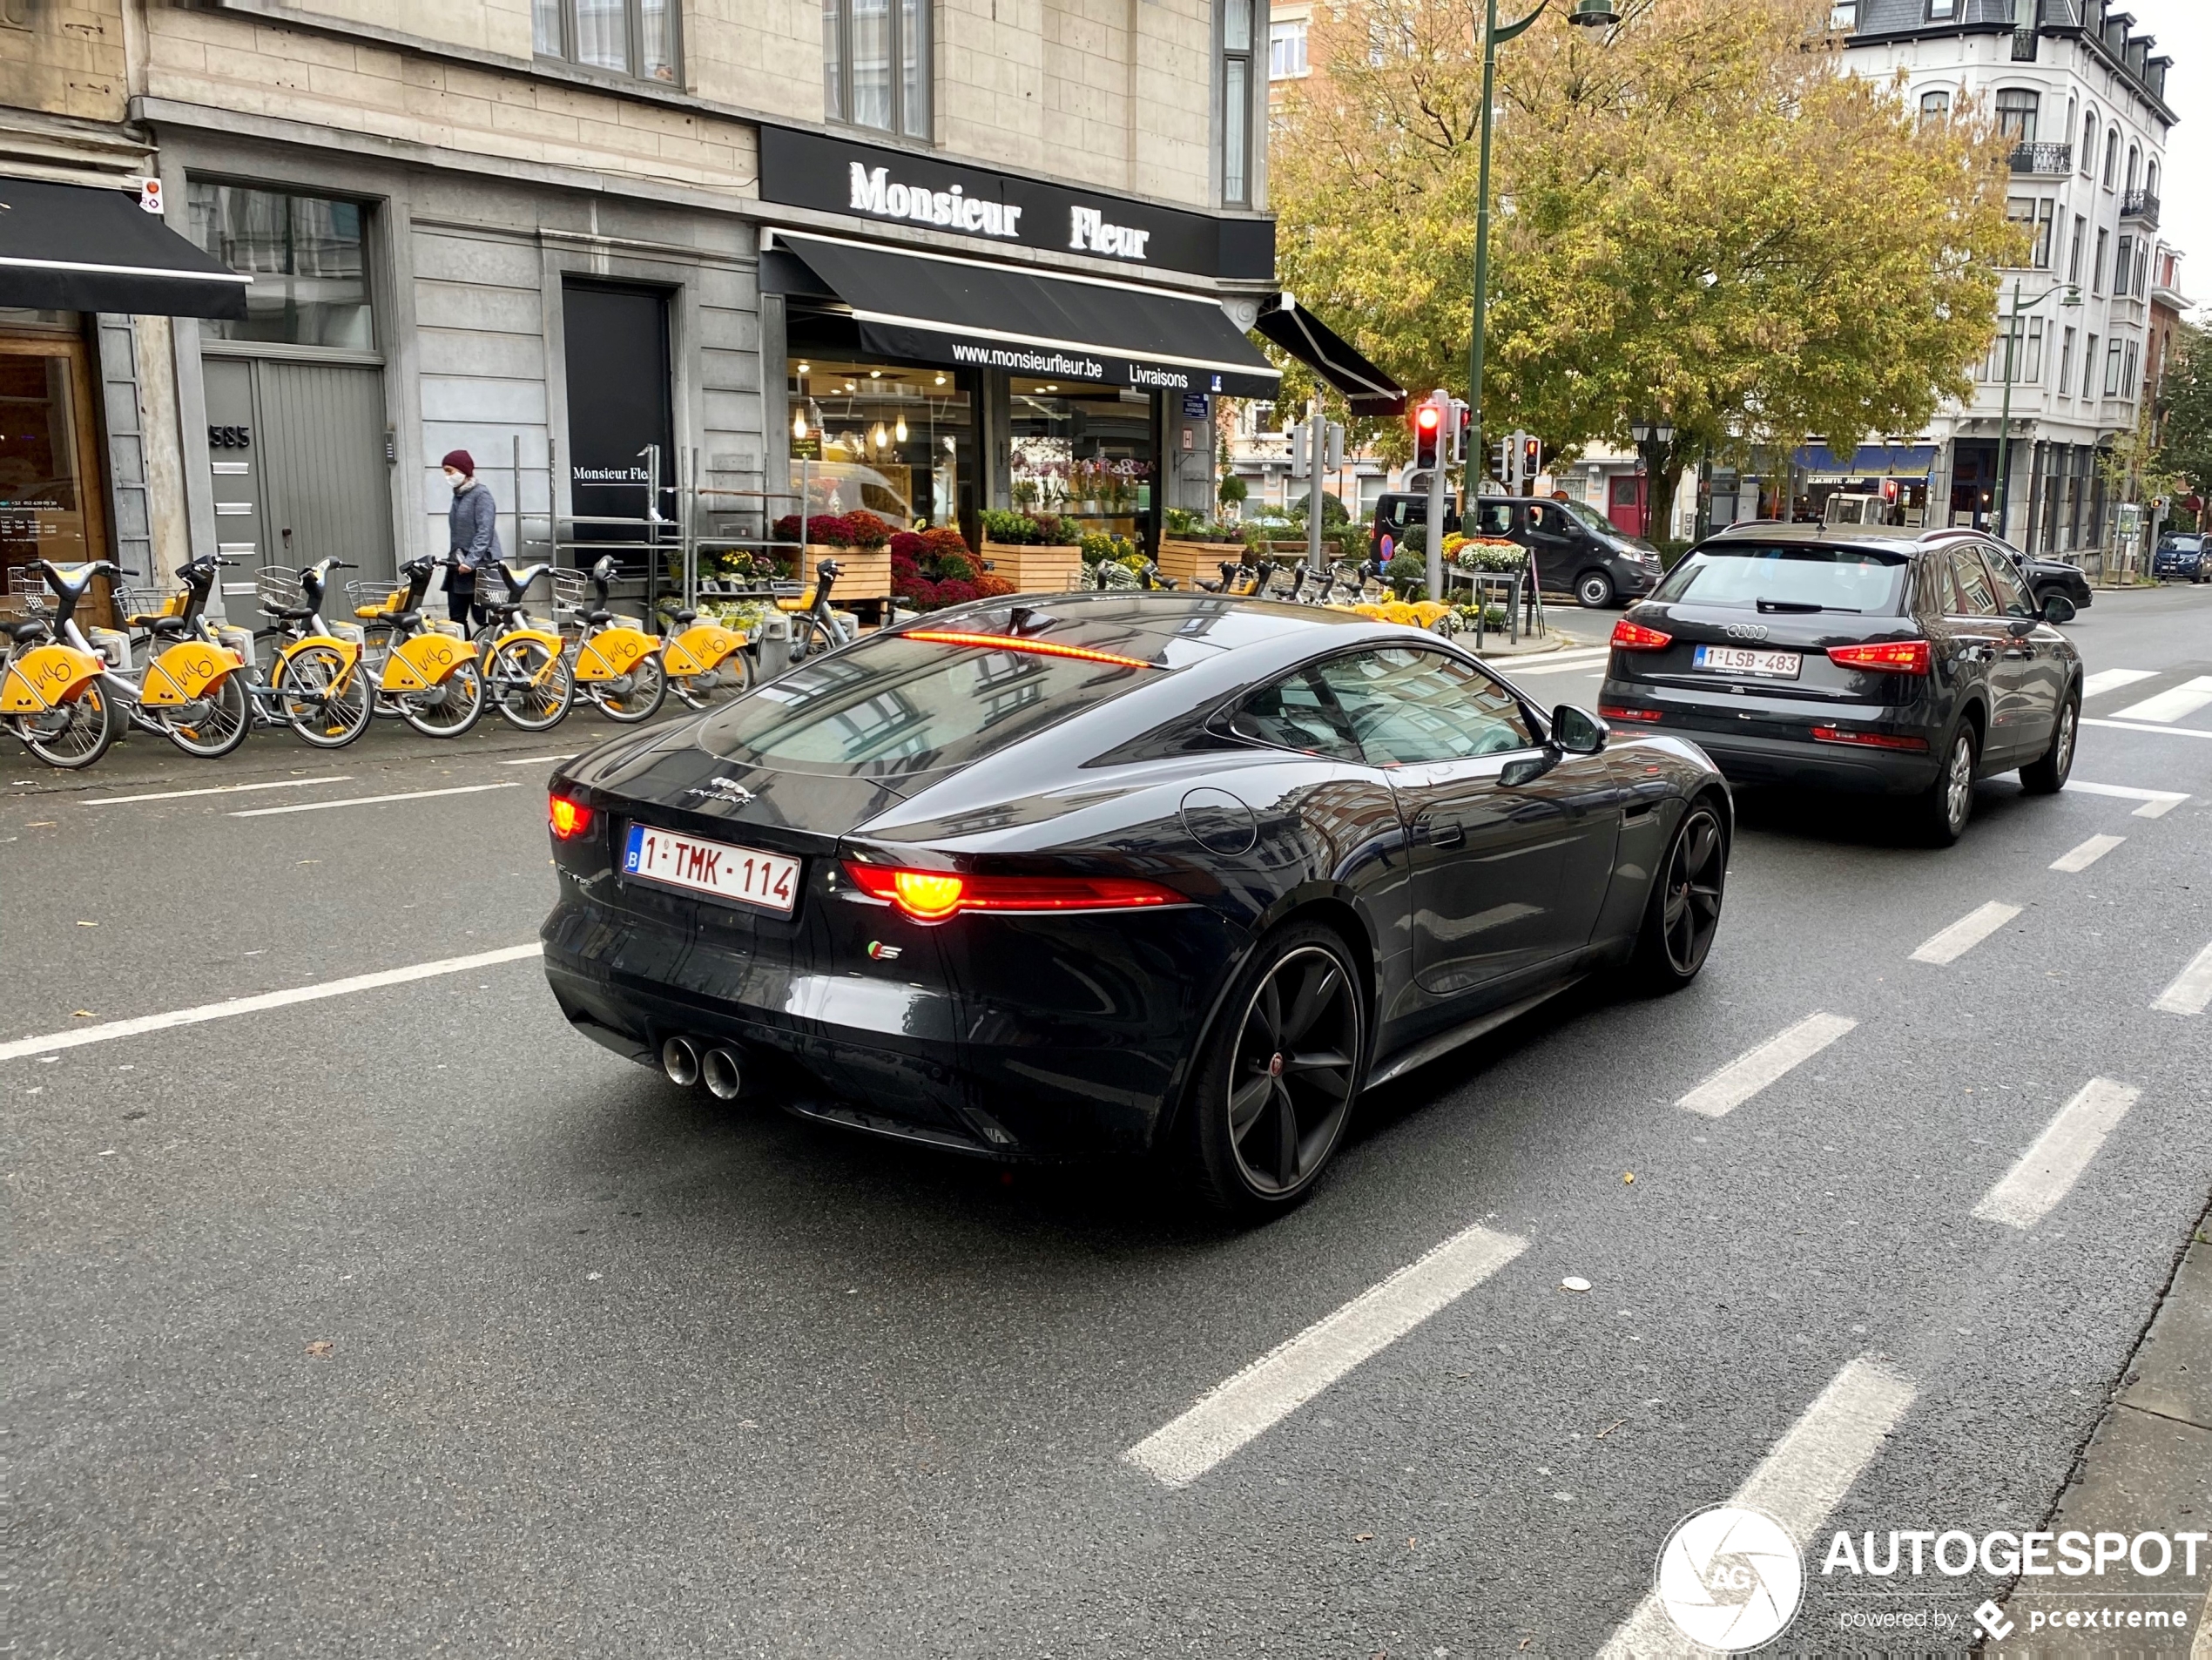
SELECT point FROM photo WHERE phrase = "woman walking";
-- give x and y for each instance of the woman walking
(473, 525)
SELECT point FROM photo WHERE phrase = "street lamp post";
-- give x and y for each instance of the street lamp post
(2020, 308)
(1649, 434)
(1594, 14)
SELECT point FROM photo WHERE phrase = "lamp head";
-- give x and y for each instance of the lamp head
(1594, 14)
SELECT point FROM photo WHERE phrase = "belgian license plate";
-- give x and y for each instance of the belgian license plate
(1738, 659)
(745, 875)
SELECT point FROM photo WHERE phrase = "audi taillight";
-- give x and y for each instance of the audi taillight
(1635, 636)
(1621, 711)
(1869, 739)
(934, 895)
(1887, 657)
(568, 817)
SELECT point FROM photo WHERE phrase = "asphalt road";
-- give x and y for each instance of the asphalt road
(403, 1321)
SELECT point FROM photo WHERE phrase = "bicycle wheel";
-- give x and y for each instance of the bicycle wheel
(450, 708)
(532, 688)
(648, 689)
(324, 717)
(83, 734)
(220, 725)
(733, 671)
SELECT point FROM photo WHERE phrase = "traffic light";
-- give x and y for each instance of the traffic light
(1428, 432)
(1456, 437)
(1532, 457)
(1301, 441)
(1889, 491)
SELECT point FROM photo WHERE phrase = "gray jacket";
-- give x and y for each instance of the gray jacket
(474, 521)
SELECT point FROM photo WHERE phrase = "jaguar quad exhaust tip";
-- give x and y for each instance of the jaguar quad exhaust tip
(719, 1066)
(679, 1058)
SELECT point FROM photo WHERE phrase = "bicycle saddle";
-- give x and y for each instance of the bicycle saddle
(166, 627)
(598, 617)
(29, 629)
(684, 619)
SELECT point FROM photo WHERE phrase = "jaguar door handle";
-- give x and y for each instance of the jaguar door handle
(1445, 833)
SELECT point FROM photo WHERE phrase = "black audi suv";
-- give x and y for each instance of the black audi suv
(1086, 872)
(1855, 658)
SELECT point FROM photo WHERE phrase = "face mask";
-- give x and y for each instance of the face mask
(453, 478)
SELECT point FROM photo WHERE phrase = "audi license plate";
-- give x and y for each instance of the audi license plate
(744, 875)
(1741, 659)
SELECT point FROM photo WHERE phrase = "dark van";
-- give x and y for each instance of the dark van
(1578, 550)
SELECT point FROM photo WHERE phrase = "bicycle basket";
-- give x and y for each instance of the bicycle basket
(568, 588)
(148, 602)
(279, 591)
(373, 599)
(27, 586)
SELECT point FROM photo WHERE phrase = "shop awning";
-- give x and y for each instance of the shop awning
(939, 308)
(1869, 460)
(1298, 331)
(70, 247)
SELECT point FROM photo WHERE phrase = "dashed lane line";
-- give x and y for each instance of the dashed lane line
(537, 760)
(2047, 1171)
(2086, 854)
(2177, 703)
(107, 1031)
(1750, 1072)
(1800, 1484)
(2137, 725)
(1965, 933)
(1284, 1379)
(2191, 992)
(2106, 680)
(376, 800)
(2156, 803)
(215, 789)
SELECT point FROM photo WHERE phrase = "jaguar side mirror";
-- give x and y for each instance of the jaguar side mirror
(2059, 608)
(1577, 731)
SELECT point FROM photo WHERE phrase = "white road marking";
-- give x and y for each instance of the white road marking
(2047, 1171)
(2086, 854)
(536, 761)
(1280, 1382)
(2134, 725)
(1750, 1072)
(216, 789)
(1965, 933)
(2112, 679)
(2156, 803)
(2177, 703)
(376, 800)
(2192, 990)
(109, 1030)
(1799, 1483)
(1564, 662)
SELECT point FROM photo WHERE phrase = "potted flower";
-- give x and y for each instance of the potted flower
(1193, 547)
(1033, 551)
(860, 541)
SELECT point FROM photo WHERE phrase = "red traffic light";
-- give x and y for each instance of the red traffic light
(1428, 418)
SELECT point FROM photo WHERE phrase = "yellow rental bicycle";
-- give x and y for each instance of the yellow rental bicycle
(428, 677)
(526, 672)
(703, 658)
(617, 665)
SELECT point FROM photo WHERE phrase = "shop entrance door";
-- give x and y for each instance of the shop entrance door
(1625, 507)
(297, 447)
(616, 343)
(49, 483)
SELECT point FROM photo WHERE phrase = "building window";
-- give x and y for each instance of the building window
(1237, 103)
(2065, 364)
(1844, 14)
(2016, 111)
(2123, 263)
(2131, 368)
(1935, 106)
(2134, 167)
(306, 254)
(2034, 219)
(2112, 159)
(1286, 51)
(875, 65)
(2029, 369)
(2073, 254)
(2097, 270)
(2114, 355)
(2090, 144)
(2142, 269)
(2089, 370)
(627, 37)
(1942, 10)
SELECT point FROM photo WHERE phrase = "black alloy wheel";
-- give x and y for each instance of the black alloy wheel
(1943, 809)
(1280, 1072)
(1684, 911)
(2047, 774)
(1593, 591)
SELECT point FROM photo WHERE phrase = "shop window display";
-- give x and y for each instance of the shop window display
(896, 441)
(49, 491)
(1083, 452)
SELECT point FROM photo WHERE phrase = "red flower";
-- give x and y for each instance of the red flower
(955, 593)
(990, 587)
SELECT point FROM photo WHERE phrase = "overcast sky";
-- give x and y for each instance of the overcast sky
(2184, 32)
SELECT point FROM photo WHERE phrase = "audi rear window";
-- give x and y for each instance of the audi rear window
(1790, 577)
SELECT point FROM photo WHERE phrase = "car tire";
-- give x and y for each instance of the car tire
(1683, 913)
(1940, 812)
(1593, 591)
(2047, 774)
(1277, 1075)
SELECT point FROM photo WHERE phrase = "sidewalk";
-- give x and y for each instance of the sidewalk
(2147, 1470)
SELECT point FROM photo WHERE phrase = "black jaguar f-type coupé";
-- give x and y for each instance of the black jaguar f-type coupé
(1092, 872)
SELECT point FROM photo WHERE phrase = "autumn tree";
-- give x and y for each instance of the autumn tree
(1700, 218)
(2185, 448)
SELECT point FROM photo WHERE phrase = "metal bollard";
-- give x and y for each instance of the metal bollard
(775, 645)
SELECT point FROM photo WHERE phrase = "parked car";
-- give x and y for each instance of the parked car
(1864, 657)
(1578, 550)
(2044, 576)
(1117, 871)
(2181, 553)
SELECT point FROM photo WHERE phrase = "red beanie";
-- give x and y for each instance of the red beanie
(461, 461)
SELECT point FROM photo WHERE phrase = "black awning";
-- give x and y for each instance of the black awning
(70, 247)
(942, 309)
(1298, 331)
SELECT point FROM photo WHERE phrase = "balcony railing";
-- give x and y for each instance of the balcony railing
(2140, 205)
(2044, 161)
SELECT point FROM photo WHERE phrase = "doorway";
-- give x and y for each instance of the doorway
(615, 345)
(1625, 506)
(50, 505)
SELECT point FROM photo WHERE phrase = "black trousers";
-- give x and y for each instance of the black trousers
(460, 604)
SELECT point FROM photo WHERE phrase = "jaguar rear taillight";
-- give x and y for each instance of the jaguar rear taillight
(1886, 657)
(937, 895)
(568, 817)
(1635, 636)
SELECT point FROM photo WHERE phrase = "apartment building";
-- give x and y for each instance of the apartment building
(612, 247)
(2083, 97)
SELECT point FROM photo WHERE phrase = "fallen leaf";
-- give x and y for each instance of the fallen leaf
(1525, 1641)
(1410, 1543)
(40, 824)
(321, 1347)
(1361, 1538)
(82, 1014)
(81, 923)
(1610, 1427)
(311, 861)
(1628, 1178)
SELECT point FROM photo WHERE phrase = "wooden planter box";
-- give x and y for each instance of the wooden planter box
(1034, 569)
(862, 573)
(1190, 562)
